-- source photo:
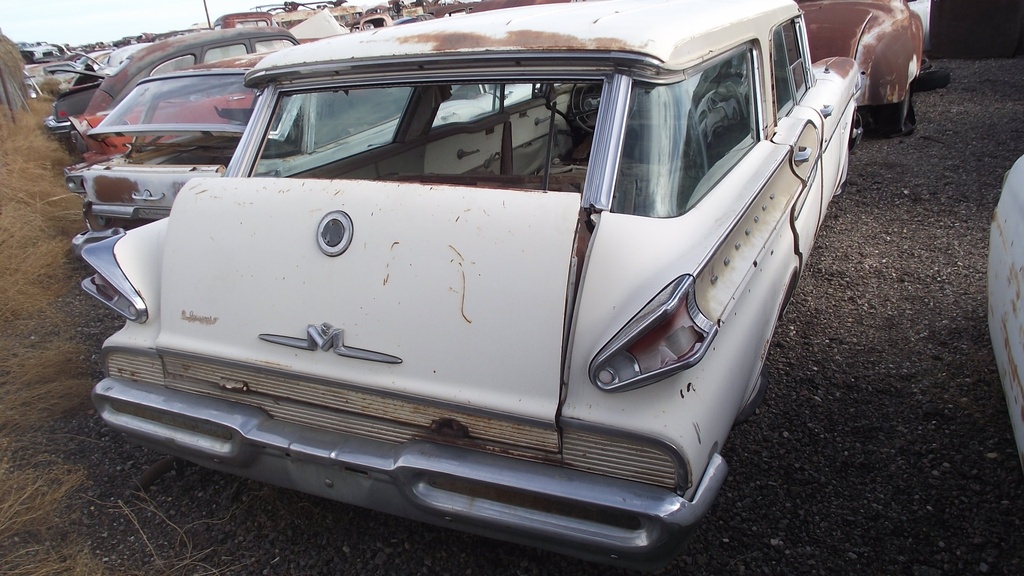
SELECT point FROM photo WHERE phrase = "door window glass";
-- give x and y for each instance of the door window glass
(683, 138)
(788, 67)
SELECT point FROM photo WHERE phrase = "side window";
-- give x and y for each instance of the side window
(271, 45)
(682, 138)
(179, 63)
(788, 67)
(221, 52)
(470, 102)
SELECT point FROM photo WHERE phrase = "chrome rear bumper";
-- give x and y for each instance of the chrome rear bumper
(576, 513)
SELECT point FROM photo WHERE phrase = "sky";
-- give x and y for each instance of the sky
(77, 22)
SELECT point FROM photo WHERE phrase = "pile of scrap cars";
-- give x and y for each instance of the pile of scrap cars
(523, 288)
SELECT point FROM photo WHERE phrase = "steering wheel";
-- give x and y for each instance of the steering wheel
(583, 105)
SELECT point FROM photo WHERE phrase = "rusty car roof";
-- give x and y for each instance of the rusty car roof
(672, 33)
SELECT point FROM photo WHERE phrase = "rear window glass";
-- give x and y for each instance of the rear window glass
(179, 63)
(533, 135)
(222, 52)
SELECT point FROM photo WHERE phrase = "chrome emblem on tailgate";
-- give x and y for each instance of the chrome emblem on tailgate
(325, 337)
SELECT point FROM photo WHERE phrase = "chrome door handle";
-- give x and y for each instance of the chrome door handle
(146, 195)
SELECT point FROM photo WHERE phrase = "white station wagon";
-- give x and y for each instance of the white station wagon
(514, 272)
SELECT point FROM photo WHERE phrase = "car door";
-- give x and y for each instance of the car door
(801, 125)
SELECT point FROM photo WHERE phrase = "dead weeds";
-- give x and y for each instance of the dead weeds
(42, 376)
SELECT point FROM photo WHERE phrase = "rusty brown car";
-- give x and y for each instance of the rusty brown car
(886, 38)
(161, 57)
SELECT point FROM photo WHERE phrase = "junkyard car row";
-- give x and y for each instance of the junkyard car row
(75, 110)
(170, 129)
(513, 272)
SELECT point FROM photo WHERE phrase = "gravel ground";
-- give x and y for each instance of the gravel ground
(883, 446)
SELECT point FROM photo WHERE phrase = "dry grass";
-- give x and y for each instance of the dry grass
(37, 217)
(38, 378)
(41, 373)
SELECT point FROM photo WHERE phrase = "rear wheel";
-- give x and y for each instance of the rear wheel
(896, 119)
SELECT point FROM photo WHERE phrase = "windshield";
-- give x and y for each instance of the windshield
(185, 102)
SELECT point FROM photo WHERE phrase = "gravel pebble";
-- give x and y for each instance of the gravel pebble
(882, 447)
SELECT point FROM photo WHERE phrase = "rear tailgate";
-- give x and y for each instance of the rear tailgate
(467, 287)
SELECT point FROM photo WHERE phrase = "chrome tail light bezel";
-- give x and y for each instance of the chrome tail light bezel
(110, 285)
(678, 298)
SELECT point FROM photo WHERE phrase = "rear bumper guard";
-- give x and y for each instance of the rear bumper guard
(580, 514)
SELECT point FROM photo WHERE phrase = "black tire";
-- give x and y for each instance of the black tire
(931, 79)
(897, 119)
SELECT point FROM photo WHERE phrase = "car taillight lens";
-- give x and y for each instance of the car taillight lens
(668, 335)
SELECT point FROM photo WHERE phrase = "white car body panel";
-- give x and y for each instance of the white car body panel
(1005, 283)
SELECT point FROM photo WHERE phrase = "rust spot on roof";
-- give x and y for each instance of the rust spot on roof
(455, 41)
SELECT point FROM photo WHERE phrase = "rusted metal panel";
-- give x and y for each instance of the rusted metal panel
(149, 186)
(583, 26)
(244, 19)
(970, 29)
(1005, 307)
(884, 36)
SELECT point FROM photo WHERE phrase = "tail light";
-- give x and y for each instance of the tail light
(669, 335)
(109, 285)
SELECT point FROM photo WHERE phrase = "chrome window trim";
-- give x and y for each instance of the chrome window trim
(610, 129)
(244, 158)
(430, 67)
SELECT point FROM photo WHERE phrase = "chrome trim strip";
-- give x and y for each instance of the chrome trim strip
(568, 511)
(608, 136)
(433, 67)
(101, 257)
(251, 141)
(712, 255)
(216, 377)
(208, 129)
(131, 212)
